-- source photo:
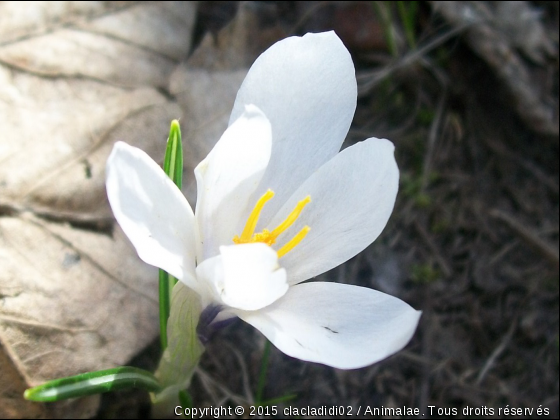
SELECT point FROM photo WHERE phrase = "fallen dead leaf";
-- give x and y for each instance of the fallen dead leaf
(74, 78)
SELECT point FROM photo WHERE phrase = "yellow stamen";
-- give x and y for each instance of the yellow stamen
(293, 242)
(291, 218)
(267, 237)
(254, 217)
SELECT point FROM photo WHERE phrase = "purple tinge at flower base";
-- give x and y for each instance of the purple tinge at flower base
(277, 205)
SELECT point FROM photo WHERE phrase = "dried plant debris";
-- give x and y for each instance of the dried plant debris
(517, 43)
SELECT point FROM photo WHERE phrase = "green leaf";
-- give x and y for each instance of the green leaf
(173, 167)
(262, 374)
(272, 401)
(262, 382)
(93, 383)
(173, 163)
(185, 399)
(164, 305)
(407, 11)
(383, 11)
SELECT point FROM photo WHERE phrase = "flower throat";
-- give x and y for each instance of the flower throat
(269, 237)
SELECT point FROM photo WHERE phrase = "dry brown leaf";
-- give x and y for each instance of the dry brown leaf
(72, 301)
(74, 78)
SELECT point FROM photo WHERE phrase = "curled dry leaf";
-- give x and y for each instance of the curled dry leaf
(74, 78)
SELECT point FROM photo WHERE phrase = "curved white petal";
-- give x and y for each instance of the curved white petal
(343, 326)
(244, 276)
(306, 86)
(152, 212)
(352, 197)
(227, 178)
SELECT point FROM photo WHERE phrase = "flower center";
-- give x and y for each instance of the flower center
(268, 237)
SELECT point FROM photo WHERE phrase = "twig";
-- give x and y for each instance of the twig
(496, 353)
(546, 249)
(244, 373)
(533, 169)
(208, 381)
(435, 250)
(367, 81)
(432, 139)
(307, 14)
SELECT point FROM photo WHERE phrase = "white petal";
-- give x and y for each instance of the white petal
(152, 212)
(343, 326)
(227, 178)
(244, 276)
(306, 86)
(352, 197)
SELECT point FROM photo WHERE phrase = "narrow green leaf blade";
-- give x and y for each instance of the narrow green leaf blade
(173, 167)
(93, 383)
(272, 401)
(173, 163)
(164, 306)
(262, 374)
(407, 12)
(383, 10)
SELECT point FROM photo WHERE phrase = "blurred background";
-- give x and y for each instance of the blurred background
(467, 91)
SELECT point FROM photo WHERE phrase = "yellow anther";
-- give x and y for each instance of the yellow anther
(291, 218)
(264, 237)
(293, 242)
(251, 224)
(267, 237)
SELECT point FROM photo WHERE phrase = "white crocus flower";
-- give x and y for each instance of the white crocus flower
(277, 205)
